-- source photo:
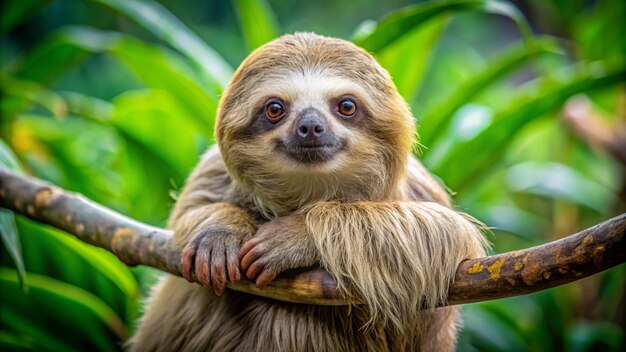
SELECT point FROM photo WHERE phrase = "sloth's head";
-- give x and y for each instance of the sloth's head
(309, 118)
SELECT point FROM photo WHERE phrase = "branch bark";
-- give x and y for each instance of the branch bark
(504, 275)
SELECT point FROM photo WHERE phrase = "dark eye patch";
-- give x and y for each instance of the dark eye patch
(360, 117)
(258, 125)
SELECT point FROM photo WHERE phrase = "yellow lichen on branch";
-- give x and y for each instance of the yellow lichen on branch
(495, 268)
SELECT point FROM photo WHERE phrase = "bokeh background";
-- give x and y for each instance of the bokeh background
(521, 107)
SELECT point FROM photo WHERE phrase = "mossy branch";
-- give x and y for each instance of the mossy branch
(504, 275)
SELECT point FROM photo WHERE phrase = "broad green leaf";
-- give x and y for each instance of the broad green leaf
(512, 220)
(8, 159)
(66, 317)
(142, 170)
(149, 117)
(257, 22)
(595, 336)
(155, 119)
(157, 67)
(598, 30)
(88, 107)
(145, 119)
(63, 151)
(141, 158)
(25, 93)
(468, 160)
(116, 170)
(173, 75)
(400, 22)
(11, 341)
(161, 22)
(613, 288)
(407, 58)
(8, 231)
(51, 57)
(559, 181)
(438, 116)
(489, 331)
(20, 335)
(60, 256)
(11, 241)
(146, 277)
(15, 12)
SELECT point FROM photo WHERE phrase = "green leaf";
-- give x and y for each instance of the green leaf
(150, 117)
(161, 22)
(60, 256)
(21, 336)
(66, 317)
(25, 93)
(154, 118)
(157, 67)
(257, 22)
(512, 220)
(468, 160)
(11, 341)
(59, 52)
(88, 107)
(142, 169)
(8, 159)
(117, 169)
(559, 181)
(63, 151)
(406, 59)
(8, 231)
(595, 336)
(502, 334)
(438, 117)
(597, 30)
(11, 241)
(398, 23)
(15, 12)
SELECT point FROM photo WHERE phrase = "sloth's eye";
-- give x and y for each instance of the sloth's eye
(347, 107)
(274, 111)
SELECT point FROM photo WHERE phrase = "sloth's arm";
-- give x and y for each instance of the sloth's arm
(208, 226)
(397, 257)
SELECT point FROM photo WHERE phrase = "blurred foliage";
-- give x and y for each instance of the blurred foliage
(116, 99)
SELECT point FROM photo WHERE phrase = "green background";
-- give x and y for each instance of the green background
(116, 99)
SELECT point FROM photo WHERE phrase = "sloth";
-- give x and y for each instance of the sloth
(313, 166)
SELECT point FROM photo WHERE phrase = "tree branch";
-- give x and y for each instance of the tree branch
(504, 275)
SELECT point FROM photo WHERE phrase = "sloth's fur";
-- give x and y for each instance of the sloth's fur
(372, 216)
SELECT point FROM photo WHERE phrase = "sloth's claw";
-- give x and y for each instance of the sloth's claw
(212, 257)
(263, 261)
(265, 278)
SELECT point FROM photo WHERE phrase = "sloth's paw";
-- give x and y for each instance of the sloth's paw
(278, 245)
(212, 256)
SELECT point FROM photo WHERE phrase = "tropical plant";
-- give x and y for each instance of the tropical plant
(496, 142)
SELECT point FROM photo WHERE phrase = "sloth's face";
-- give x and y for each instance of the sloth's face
(309, 117)
(308, 120)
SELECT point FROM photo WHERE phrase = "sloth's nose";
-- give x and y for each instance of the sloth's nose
(310, 128)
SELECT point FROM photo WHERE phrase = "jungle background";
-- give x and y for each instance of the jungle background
(519, 105)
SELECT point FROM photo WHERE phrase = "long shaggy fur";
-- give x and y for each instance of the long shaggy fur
(428, 241)
(373, 217)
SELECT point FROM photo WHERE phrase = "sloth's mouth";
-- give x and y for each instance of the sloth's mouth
(311, 153)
